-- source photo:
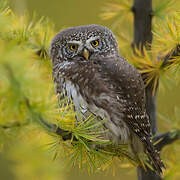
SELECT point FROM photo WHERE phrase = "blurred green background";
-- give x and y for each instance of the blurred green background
(63, 13)
(66, 13)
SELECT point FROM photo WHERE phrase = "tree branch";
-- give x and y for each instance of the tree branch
(53, 128)
(147, 175)
(167, 138)
(66, 135)
(170, 55)
(15, 125)
(142, 11)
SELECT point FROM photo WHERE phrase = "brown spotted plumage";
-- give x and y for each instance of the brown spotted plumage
(88, 69)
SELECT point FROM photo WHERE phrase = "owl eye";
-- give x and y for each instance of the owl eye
(73, 47)
(95, 43)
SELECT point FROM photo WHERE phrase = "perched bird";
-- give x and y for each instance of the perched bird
(88, 69)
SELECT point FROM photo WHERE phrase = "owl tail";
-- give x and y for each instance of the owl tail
(140, 147)
(155, 159)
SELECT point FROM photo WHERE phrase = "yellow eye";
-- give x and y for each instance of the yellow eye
(73, 47)
(95, 43)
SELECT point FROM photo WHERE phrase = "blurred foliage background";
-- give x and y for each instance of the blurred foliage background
(25, 71)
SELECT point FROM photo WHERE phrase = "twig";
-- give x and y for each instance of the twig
(53, 128)
(170, 55)
(167, 138)
(15, 125)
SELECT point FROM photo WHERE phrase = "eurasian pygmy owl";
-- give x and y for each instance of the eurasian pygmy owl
(88, 69)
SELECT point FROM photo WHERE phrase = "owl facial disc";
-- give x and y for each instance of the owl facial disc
(88, 42)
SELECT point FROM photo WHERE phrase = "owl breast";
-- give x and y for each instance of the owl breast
(117, 134)
(72, 91)
(80, 103)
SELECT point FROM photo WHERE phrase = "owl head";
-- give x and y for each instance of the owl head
(83, 43)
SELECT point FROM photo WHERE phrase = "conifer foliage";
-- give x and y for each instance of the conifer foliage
(33, 126)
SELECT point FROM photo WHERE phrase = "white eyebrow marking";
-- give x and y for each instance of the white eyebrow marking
(92, 39)
(75, 42)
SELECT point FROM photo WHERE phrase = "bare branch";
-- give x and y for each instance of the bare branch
(169, 56)
(53, 128)
(167, 138)
(142, 10)
(15, 125)
(147, 175)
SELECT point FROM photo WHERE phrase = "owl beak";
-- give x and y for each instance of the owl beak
(86, 53)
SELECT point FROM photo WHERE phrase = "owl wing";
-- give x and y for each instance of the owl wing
(128, 87)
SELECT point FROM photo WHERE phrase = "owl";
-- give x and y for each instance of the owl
(88, 69)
